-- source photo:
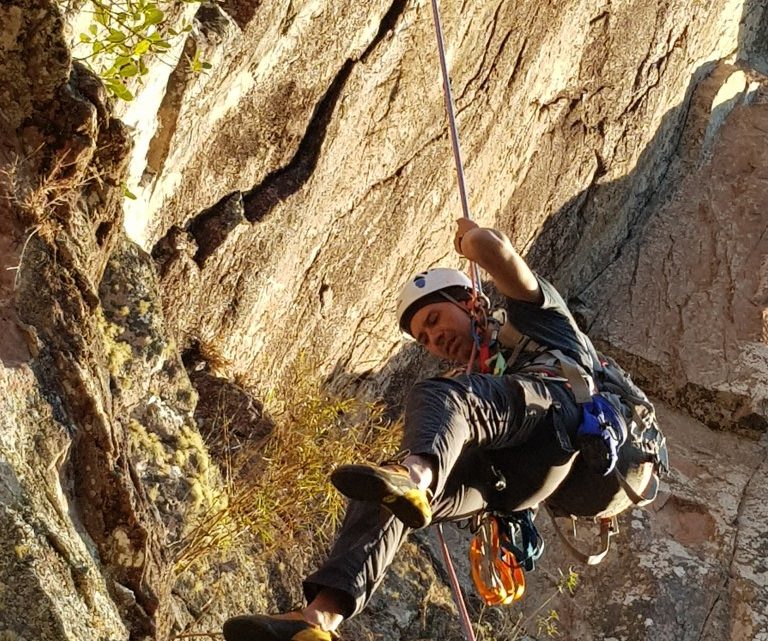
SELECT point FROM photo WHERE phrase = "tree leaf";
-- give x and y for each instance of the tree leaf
(120, 90)
(129, 70)
(153, 15)
(128, 193)
(115, 36)
(142, 47)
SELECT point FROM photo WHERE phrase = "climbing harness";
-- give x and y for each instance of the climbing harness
(615, 412)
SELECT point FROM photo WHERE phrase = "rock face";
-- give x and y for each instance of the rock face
(282, 196)
(711, 358)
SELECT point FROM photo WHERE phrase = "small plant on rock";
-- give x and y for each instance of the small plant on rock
(547, 622)
(125, 34)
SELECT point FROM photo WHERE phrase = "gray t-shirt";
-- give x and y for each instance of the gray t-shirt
(551, 326)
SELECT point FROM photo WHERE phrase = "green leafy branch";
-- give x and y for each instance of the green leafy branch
(125, 34)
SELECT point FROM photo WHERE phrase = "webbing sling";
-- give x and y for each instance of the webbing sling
(608, 527)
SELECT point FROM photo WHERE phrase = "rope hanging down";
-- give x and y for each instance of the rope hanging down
(474, 273)
(451, 112)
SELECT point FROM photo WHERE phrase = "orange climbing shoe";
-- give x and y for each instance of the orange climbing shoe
(284, 627)
(388, 485)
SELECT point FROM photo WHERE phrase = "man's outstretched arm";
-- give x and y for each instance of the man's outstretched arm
(493, 251)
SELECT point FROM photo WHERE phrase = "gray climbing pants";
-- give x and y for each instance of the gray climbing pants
(476, 429)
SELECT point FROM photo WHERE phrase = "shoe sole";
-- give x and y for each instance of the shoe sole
(266, 628)
(371, 484)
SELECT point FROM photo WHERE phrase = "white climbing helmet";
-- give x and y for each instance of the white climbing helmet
(425, 283)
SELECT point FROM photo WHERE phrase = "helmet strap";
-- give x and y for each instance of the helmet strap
(451, 299)
(476, 312)
(486, 343)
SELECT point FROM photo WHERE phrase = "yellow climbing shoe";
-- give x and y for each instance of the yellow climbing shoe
(283, 627)
(388, 485)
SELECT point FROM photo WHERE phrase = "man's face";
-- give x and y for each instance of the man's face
(445, 329)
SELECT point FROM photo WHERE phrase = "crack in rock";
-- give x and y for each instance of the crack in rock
(735, 547)
(258, 202)
(284, 182)
(481, 65)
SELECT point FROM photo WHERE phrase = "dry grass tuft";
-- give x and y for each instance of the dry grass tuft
(35, 200)
(542, 623)
(281, 493)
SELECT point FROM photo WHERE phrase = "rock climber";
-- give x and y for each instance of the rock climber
(462, 434)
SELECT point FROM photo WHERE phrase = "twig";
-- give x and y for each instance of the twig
(35, 229)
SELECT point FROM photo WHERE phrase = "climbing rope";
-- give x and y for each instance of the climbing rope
(455, 144)
(474, 273)
(450, 110)
(476, 285)
(455, 587)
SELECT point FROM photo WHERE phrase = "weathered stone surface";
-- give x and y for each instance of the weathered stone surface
(87, 537)
(50, 587)
(564, 147)
(283, 196)
(228, 418)
(674, 575)
(34, 59)
(687, 305)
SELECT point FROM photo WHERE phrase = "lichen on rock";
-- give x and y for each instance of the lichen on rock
(281, 197)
